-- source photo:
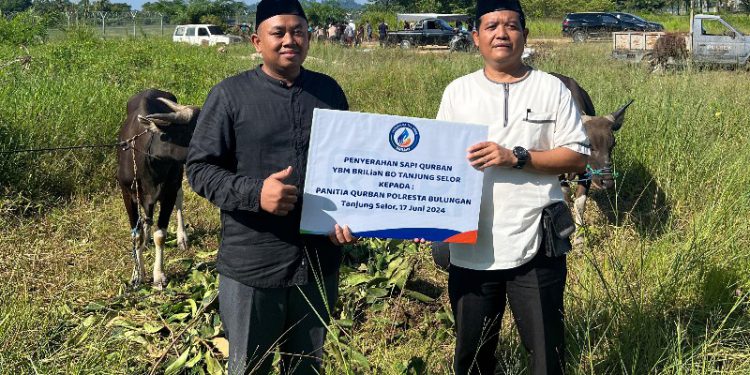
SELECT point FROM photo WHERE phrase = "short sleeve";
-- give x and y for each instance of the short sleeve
(445, 111)
(569, 130)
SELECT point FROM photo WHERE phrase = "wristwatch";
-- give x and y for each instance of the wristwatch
(522, 155)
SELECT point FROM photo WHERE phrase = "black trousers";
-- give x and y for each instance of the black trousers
(294, 319)
(535, 294)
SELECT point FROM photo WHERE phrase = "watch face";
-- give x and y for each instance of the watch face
(521, 153)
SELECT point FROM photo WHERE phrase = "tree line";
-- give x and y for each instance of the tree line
(323, 11)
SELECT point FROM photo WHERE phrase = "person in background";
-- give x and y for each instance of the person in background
(535, 134)
(382, 32)
(369, 31)
(332, 30)
(248, 156)
(349, 34)
(360, 35)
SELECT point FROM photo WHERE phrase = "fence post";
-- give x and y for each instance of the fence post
(161, 23)
(133, 14)
(103, 15)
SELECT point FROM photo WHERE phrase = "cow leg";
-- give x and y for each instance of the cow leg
(160, 280)
(565, 186)
(182, 238)
(136, 235)
(160, 235)
(579, 208)
(139, 273)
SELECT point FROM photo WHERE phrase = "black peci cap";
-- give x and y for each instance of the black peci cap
(488, 6)
(270, 8)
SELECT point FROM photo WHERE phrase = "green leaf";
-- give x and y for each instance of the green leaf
(152, 328)
(122, 322)
(400, 278)
(378, 281)
(393, 266)
(136, 337)
(177, 317)
(212, 365)
(345, 322)
(377, 292)
(94, 306)
(357, 278)
(193, 361)
(359, 358)
(193, 306)
(178, 363)
(418, 296)
(89, 321)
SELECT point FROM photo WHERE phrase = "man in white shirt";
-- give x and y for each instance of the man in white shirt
(535, 133)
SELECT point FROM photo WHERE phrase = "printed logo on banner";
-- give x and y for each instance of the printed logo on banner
(404, 137)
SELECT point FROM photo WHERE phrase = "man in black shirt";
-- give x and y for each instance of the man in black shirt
(382, 32)
(248, 156)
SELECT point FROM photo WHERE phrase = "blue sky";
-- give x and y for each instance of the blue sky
(136, 4)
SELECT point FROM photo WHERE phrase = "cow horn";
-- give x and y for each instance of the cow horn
(618, 116)
(173, 105)
(182, 113)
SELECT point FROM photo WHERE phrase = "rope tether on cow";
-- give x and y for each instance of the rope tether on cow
(118, 144)
(590, 173)
(130, 143)
(123, 145)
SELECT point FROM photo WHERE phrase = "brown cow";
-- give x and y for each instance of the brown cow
(156, 135)
(601, 132)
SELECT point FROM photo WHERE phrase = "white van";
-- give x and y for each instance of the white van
(203, 34)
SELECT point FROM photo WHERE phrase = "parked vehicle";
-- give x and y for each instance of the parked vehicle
(203, 34)
(711, 40)
(597, 25)
(646, 25)
(431, 29)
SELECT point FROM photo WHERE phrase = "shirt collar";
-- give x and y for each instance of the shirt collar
(277, 82)
(492, 86)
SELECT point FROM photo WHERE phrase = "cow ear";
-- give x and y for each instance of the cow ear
(618, 117)
(586, 118)
(152, 124)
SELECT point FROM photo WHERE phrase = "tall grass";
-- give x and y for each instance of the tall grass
(660, 286)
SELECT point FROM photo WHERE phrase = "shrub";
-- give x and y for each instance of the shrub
(23, 29)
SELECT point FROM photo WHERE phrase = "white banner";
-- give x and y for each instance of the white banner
(392, 177)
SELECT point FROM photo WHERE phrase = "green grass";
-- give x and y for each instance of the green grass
(660, 286)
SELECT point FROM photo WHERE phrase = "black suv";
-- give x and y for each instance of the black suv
(632, 18)
(592, 25)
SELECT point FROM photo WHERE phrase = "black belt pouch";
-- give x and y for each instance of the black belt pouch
(557, 226)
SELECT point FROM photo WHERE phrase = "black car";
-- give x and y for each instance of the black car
(632, 18)
(594, 25)
(431, 31)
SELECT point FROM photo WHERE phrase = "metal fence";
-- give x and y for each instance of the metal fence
(133, 24)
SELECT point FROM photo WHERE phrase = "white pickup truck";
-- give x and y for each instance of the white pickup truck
(711, 40)
(203, 34)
